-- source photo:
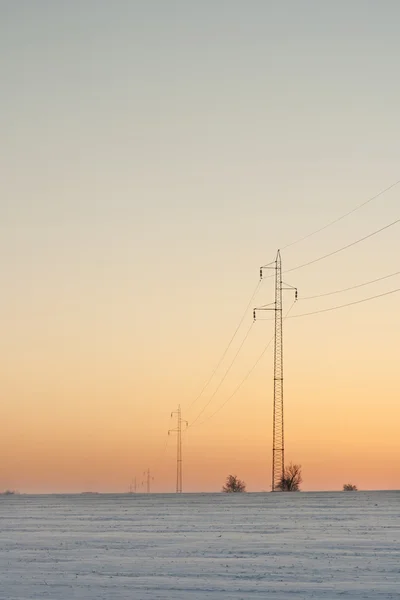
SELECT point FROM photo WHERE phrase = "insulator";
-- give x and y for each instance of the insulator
(295, 294)
(254, 314)
(261, 273)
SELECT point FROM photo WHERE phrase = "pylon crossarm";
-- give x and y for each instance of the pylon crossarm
(266, 306)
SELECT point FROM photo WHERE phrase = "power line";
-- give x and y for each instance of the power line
(161, 455)
(224, 376)
(246, 376)
(240, 384)
(228, 346)
(366, 237)
(298, 267)
(350, 212)
(353, 287)
(315, 312)
(164, 449)
(303, 314)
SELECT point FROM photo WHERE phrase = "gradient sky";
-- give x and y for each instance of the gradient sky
(154, 154)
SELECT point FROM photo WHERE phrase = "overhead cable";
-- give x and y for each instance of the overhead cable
(353, 287)
(246, 376)
(323, 310)
(366, 237)
(347, 214)
(224, 376)
(227, 347)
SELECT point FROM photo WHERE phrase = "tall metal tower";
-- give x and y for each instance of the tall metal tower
(278, 432)
(178, 430)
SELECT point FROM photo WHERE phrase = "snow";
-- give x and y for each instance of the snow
(201, 546)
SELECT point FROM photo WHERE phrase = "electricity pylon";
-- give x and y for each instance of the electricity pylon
(278, 432)
(148, 479)
(178, 430)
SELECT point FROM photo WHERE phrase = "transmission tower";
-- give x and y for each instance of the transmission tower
(133, 486)
(147, 481)
(178, 430)
(278, 434)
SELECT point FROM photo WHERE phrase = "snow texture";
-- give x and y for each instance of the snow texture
(201, 546)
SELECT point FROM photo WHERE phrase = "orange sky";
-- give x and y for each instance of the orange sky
(70, 430)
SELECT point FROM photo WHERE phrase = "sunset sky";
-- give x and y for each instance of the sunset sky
(154, 154)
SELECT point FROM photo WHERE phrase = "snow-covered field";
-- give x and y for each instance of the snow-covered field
(273, 546)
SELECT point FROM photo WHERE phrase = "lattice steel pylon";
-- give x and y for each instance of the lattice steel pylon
(148, 479)
(278, 433)
(178, 430)
(278, 430)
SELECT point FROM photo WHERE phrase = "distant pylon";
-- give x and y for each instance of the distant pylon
(278, 432)
(178, 430)
(147, 481)
(132, 487)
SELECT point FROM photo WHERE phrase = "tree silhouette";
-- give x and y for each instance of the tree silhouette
(291, 479)
(233, 484)
(350, 487)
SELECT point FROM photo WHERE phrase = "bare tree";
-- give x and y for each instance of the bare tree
(233, 484)
(350, 487)
(291, 479)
